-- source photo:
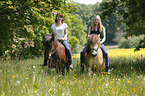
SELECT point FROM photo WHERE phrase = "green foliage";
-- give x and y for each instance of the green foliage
(141, 44)
(131, 42)
(25, 22)
(132, 12)
(113, 27)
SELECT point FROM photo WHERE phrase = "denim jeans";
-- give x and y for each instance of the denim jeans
(105, 54)
(68, 52)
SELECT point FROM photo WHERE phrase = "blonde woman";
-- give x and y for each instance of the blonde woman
(97, 28)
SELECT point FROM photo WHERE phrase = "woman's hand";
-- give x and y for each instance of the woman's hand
(62, 39)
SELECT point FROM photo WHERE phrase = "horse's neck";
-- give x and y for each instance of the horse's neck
(56, 43)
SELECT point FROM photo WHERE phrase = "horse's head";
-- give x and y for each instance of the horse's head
(48, 42)
(94, 43)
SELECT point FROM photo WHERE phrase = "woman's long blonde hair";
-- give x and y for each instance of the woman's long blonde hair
(99, 24)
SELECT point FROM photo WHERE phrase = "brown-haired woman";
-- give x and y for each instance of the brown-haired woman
(60, 30)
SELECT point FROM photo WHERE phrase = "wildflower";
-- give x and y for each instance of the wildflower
(18, 82)
(124, 93)
(107, 84)
(134, 89)
(128, 81)
(67, 83)
(25, 84)
(111, 82)
(26, 78)
(99, 87)
(74, 77)
(33, 66)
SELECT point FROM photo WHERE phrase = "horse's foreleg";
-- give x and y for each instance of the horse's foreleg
(89, 70)
(49, 65)
(67, 69)
(82, 68)
(63, 71)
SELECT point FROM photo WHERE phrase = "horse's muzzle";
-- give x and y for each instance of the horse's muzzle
(49, 57)
(94, 55)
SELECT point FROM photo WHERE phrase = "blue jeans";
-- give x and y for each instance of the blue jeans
(105, 54)
(68, 52)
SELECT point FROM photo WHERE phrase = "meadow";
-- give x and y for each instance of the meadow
(28, 78)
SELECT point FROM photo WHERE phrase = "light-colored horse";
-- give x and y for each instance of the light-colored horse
(94, 60)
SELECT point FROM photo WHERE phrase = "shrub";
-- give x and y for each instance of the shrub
(131, 42)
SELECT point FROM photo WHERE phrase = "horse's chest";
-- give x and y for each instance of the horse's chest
(93, 61)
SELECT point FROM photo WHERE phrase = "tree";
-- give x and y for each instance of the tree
(24, 22)
(133, 14)
(112, 25)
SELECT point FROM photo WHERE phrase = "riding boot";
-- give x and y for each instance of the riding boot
(45, 63)
(45, 60)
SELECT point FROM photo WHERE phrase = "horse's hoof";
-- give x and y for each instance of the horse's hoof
(71, 66)
(43, 65)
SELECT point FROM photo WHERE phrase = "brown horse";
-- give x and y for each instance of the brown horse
(94, 60)
(55, 53)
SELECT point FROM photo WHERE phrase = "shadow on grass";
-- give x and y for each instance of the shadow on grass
(127, 66)
(121, 66)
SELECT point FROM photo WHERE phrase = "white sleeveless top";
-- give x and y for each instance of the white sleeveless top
(59, 30)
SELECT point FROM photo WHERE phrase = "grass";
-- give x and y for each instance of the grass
(27, 77)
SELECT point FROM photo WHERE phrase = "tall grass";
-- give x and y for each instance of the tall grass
(27, 77)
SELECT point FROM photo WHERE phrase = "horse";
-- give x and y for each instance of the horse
(94, 60)
(55, 53)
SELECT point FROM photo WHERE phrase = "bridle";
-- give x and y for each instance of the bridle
(53, 51)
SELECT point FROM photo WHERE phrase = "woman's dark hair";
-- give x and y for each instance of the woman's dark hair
(59, 14)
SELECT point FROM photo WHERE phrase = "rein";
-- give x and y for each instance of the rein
(56, 48)
(52, 54)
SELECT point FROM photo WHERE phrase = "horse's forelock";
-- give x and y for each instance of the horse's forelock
(93, 39)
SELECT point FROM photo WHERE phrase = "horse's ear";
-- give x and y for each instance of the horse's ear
(53, 36)
(44, 37)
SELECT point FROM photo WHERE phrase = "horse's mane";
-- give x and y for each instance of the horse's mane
(93, 39)
(49, 38)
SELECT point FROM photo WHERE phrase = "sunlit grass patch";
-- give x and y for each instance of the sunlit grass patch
(121, 53)
(125, 53)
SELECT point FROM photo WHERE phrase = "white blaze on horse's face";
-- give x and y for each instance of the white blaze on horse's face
(94, 50)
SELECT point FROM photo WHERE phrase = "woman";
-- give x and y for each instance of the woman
(60, 30)
(97, 28)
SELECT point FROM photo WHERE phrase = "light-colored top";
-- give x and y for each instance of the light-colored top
(59, 31)
(104, 34)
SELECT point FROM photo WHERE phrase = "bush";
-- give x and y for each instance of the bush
(131, 42)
